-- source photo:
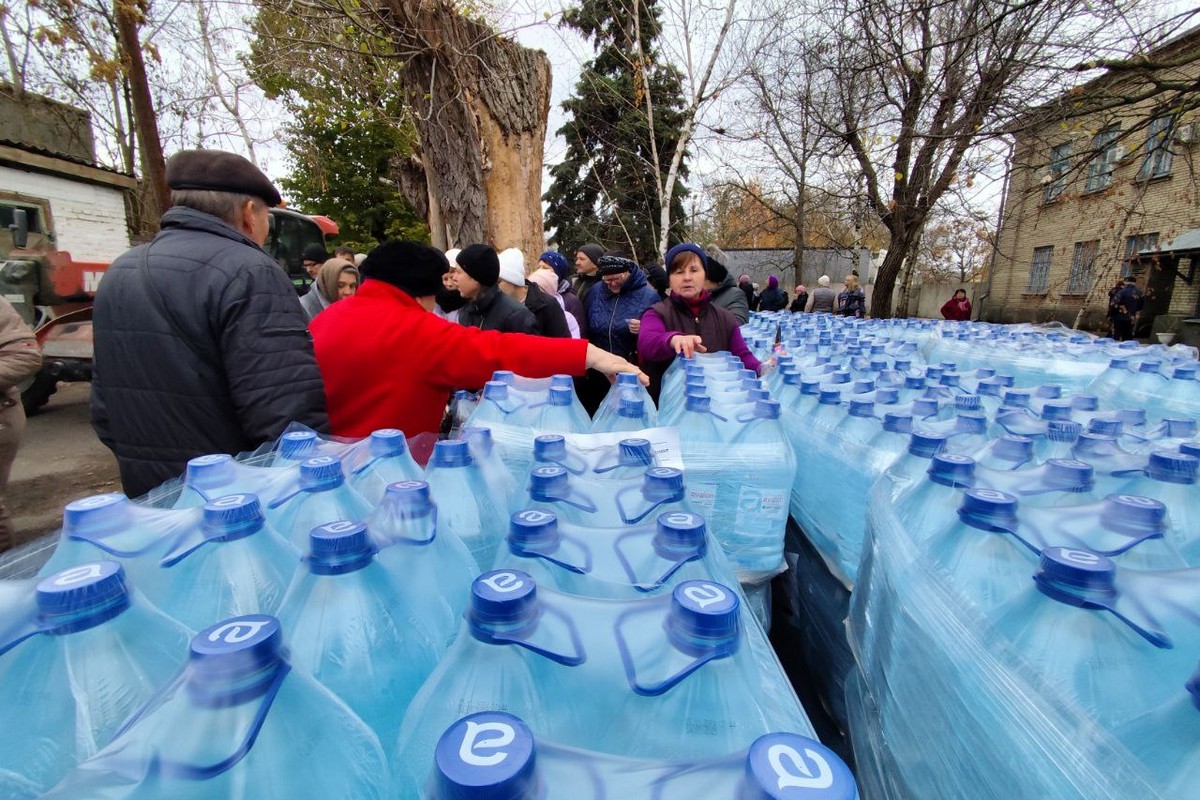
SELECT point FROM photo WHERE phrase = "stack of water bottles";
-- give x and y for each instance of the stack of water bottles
(327, 619)
(1019, 533)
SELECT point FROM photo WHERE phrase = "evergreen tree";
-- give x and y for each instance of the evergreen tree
(605, 188)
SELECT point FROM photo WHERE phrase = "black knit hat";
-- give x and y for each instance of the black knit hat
(615, 265)
(314, 252)
(414, 267)
(593, 252)
(218, 171)
(715, 271)
(481, 263)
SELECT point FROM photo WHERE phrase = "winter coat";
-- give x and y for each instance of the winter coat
(799, 303)
(550, 319)
(313, 301)
(823, 299)
(388, 363)
(957, 309)
(20, 356)
(583, 287)
(573, 305)
(729, 296)
(751, 299)
(493, 310)
(609, 314)
(772, 299)
(1127, 303)
(851, 303)
(717, 328)
(200, 347)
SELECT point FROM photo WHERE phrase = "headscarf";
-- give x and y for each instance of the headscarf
(327, 278)
(546, 279)
(802, 289)
(773, 282)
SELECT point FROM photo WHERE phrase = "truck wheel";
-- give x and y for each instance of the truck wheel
(38, 392)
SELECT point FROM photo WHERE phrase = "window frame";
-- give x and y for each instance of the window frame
(1158, 148)
(1039, 273)
(1083, 267)
(1057, 168)
(1135, 244)
(1104, 159)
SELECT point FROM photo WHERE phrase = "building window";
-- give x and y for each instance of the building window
(1104, 160)
(1134, 245)
(1157, 161)
(1080, 281)
(1060, 161)
(1039, 270)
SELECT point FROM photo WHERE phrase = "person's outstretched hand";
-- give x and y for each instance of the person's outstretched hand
(604, 361)
(687, 346)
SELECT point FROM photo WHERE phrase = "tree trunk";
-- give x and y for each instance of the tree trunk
(481, 104)
(154, 167)
(885, 282)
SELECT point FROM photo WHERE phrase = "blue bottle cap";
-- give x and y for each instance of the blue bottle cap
(950, 379)
(206, 472)
(693, 369)
(967, 402)
(1105, 427)
(897, 423)
(792, 376)
(504, 376)
(766, 409)
(697, 382)
(1057, 409)
(412, 498)
(914, 382)
(663, 482)
(862, 408)
(1013, 448)
(679, 533)
(1184, 372)
(1134, 512)
(451, 453)
(862, 386)
(704, 615)
(635, 452)
(934, 372)
(839, 377)
(1069, 475)
(83, 596)
(461, 395)
(1006, 380)
(1018, 398)
(627, 379)
(970, 422)
(532, 528)
(810, 387)
(698, 402)
(502, 597)
(948, 365)
(1049, 390)
(321, 473)
(902, 364)
(235, 659)
(990, 387)
(988, 510)
(1172, 467)
(1149, 366)
(984, 372)
(295, 445)
(830, 397)
(1190, 449)
(1075, 576)
(948, 469)
(1132, 417)
(97, 515)
(495, 390)
(488, 755)
(549, 447)
(1085, 402)
(339, 547)
(479, 438)
(747, 374)
(561, 381)
(1180, 428)
(758, 394)
(879, 364)
(925, 407)
(387, 443)
(1063, 430)
(1118, 363)
(549, 483)
(232, 517)
(631, 408)
(926, 445)
(561, 396)
(886, 396)
(787, 766)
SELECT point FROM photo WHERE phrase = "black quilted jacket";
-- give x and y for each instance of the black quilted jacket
(219, 363)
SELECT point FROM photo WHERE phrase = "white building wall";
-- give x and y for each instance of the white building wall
(89, 219)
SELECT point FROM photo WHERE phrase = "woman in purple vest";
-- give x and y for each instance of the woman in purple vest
(687, 322)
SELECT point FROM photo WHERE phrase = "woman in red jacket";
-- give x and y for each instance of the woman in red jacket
(389, 363)
(957, 307)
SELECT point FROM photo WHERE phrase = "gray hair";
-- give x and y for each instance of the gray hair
(225, 206)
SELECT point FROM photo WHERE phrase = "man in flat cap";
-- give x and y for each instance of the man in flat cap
(390, 363)
(201, 344)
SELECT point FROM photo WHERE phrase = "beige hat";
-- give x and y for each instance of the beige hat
(823, 280)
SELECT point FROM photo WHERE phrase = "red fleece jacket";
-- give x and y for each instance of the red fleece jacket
(389, 363)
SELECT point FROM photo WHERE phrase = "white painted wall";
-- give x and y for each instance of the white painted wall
(89, 219)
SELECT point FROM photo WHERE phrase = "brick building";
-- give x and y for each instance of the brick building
(1098, 192)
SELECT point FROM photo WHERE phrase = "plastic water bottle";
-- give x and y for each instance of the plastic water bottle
(563, 413)
(1172, 479)
(628, 461)
(492, 754)
(217, 475)
(301, 444)
(237, 722)
(86, 654)
(320, 495)
(1006, 452)
(501, 470)
(230, 564)
(352, 628)
(433, 569)
(467, 507)
(621, 401)
(1164, 740)
(388, 461)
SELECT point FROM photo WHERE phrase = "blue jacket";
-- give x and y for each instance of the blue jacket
(609, 314)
